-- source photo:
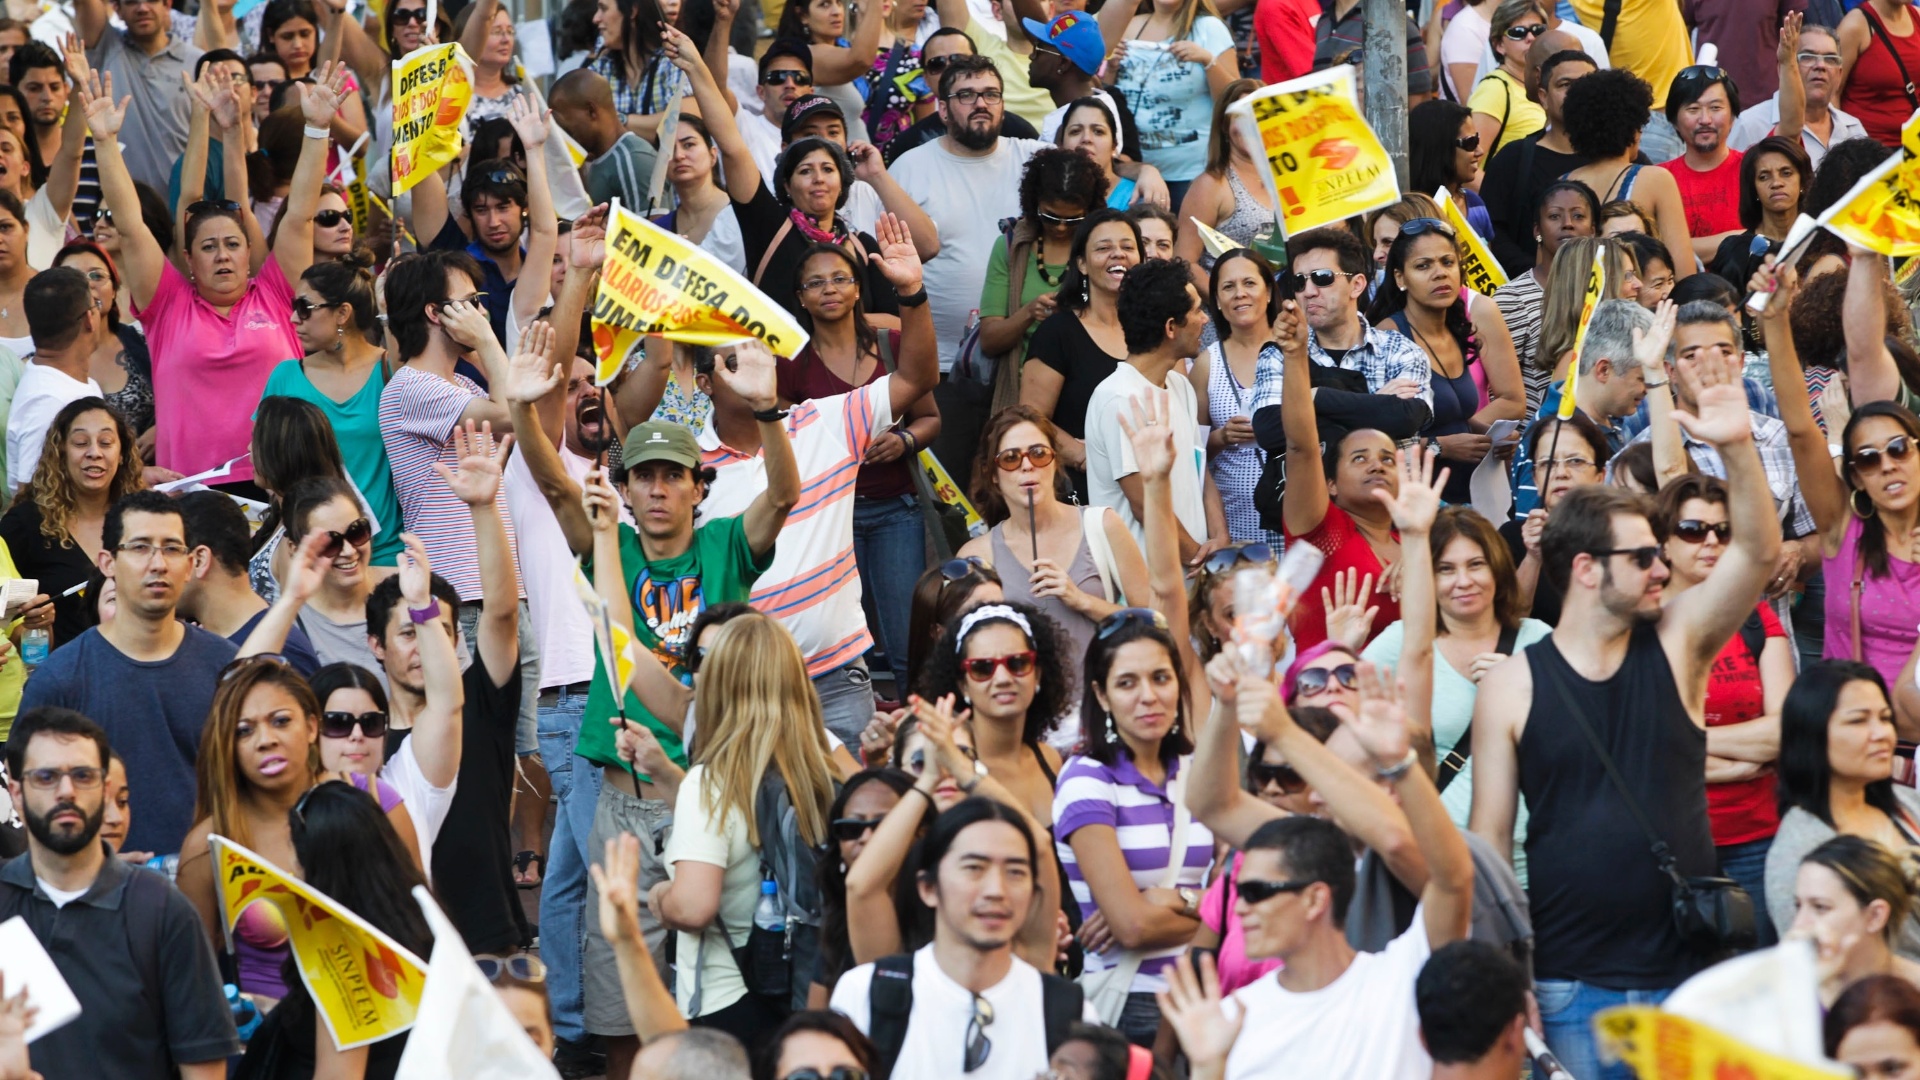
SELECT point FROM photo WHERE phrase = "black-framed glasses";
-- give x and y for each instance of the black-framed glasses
(1643, 557)
(1314, 681)
(787, 77)
(967, 98)
(1256, 891)
(1526, 33)
(84, 777)
(358, 532)
(1469, 143)
(1421, 225)
(1695, 531)
(1319, 279)
(978, 1045)
(957, 569)
(1055, 219)
(840, 1072)
(205, 206)
(1125, 617)
(327, 219)
(522, 967)
(304, 308)
(1898, 448)
(1288, 779)
(848, 829)
(340, 725)
(1229, 557)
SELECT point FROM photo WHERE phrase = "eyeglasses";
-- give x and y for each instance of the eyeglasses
(340, 725)
(524, 968)
(1568, 464)
(1255, 891)
(84, 777)
(957, 569)
(205, 206)
(1825, 59)
(1642, 557)
(978, 1045)
(327, 219)
(304, 308)
(1055, 219)
(848, 829)
(966, 98)
(267, 86)
(1040, 455)
(1229, 557)
(840, 1072)
(1694, 531)
(403, 16)
(1125, 617)
(1422, 225)
(1524, 33)
(787, 77)
(1314, 681)
(1898, 448)
(1019, 665)
(1290, 782)
(356, 534)
(141, 550)
(1469, 143)
(1321, 279)
(838, 281)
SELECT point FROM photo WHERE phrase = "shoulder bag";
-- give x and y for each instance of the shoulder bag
(1456, 759)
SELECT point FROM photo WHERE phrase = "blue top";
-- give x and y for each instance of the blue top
(1171, 101)
(1121, 196)
(298, 650)
(356, 427)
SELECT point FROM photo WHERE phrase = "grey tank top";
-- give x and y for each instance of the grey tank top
(1014, 583)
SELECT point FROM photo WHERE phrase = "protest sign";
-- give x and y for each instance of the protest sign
(432, 87)
(1665, 1046)
(1324, 164)
(1479, 270)
(1596, 285)
(465, 1030)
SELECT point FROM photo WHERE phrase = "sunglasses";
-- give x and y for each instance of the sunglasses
(478, 300)
(840, 1072)
(1312, 682)
(1039, 454)
(356, 534)
(978, 1045)
(1321, 279)
(1524, 33)
(1898, 448)
(205, 206)
(103, 217)
(304, 308)
(957, 569)
(1125, 617)
(327, 219)
(1260, 774)
(1469, 143)
(1694, 531)
(340, 725)
(848, 829)
(494, 176)
(524, 968)
(1643, 557)
(1019, 665)
(1421, 225)
(403, 16)
(939, 63)
(1255, 891)
(1055, 219)
(786, 77)
(1229, 557)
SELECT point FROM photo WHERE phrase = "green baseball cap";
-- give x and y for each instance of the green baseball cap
(660, 440)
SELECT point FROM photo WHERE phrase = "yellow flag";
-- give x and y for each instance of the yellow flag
(657, 283)
(1479, 270)
(432, 87)
(1216, 242)
(1882, 212)
(1666, 1046)
(949, 492)
(365, 986)
(1596, 285)
(1324, 164)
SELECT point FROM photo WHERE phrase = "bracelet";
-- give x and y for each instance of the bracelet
(317, 132)
(916, 299)
(913, 444)
(770, 416)
(1394, 772)
(916, 790)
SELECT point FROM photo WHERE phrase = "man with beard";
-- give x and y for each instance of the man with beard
(147, 62)
(1809, 70)
(503, 202)
(1623, 672)
(127, 943)
(1701, 105)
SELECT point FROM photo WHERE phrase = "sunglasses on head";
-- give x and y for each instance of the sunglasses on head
(524, 968)
(1260, 774)
(786, 77)
(1040, 454)
(1422, 225)
(1255, 891)
(327, 219)
(340, 725)
(1321, 279)
(1229, 557)
(1125, 617)
(356, 534)
(848, 829)
(1523, 33)
(205, 206)
(493, 176)
(981, 668)
(1898, 448)
(1643, 557)
(957, 569)
(1312, 682)
(1695, 531)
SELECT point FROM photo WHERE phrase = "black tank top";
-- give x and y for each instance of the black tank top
(1602, 910)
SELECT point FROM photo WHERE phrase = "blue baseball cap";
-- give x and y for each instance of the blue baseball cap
(1077, 37)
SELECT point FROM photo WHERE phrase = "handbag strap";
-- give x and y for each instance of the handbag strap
(1177, 832)
(1093, 526)
(1609, 21)
(1455, 762)
(1662, 854)
(773, 245)
(1880, 31)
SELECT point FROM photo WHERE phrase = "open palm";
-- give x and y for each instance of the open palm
(1151, 435)
(1417, 503)
(480, 461)
(103, 117)
(898, 260)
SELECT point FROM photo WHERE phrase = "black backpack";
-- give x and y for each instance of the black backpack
(779, 965)
(890, 1006)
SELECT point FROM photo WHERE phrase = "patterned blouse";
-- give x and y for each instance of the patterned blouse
(134, 401)
(658, 86)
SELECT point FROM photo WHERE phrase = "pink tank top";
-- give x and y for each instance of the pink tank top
(1889, 608)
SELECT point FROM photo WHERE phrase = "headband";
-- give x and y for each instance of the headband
(985, 612)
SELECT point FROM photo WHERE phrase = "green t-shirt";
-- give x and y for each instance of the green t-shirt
(356, 427)
(993, 289)
(667, 596)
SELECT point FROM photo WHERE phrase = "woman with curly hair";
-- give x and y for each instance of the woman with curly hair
(943, 592)
(1057, 192)
(89, 460)
(1604, 113)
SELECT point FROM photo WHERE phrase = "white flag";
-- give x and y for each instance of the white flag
(463, 1030)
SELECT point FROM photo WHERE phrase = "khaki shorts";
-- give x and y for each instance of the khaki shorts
(617, 812)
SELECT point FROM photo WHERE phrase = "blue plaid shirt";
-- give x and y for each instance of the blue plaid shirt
(1382, 356)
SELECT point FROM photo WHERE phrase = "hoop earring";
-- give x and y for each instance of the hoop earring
(1853, 504)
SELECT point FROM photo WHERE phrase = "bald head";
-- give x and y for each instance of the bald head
(582, 104)
(581, 87)
(1545, 45)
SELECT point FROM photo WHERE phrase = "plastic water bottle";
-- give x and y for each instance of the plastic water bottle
(33, 648)
(770, 947)
(246, 1016)
(767, 914)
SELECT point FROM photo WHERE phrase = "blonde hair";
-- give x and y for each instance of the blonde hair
(1412, 205)
(1567, 291)
(757, 710)
(1183, 22)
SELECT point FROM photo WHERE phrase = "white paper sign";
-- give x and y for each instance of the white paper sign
(26, 964)
(1492, 491)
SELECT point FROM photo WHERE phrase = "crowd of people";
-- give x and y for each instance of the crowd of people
(300, 468)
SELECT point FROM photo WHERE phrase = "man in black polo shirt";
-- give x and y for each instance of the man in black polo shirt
(125, 940)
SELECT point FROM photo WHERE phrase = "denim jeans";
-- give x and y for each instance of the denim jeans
(890, 547)
(563, 892)
(1747, 864)
(846, 701)
(1567, 1010)
(1140, 1019)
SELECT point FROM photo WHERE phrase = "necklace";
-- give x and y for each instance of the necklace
(1431, 355)
(1051, 279)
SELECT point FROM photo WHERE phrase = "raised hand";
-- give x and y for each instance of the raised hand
(76, 55)
(868, 162)
(416, 573)
(1790, 38)
(1223, 675)
(530, 374)
(682, 52)
(1349, 617)
(618, 879)
(1193, 1006)
(1290, 331)
(103, 117)
(1781, 283)
(1719, 416)
(587, 239)
(598, 498)
(529, 121)
(937, 720)
(1379, 725)
(307, 570)
(897, 260)
(750, 373)
(1835, 407)
(1650, 346)
(1151, 434)
(1532, 529)
(320, 99)
(1418, 501)
(1257, 707)
(876, 739)
(480, 459)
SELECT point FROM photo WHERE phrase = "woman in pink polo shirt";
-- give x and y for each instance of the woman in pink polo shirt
(217, 331)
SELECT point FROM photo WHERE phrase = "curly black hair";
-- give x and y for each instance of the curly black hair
(1153, 294)
(1815, 318)
(1846, 162)
(1053, 661)
(1059, 175)
(1605, 110)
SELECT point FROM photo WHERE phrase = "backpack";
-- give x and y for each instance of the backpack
(779, 965)
(890, 1006)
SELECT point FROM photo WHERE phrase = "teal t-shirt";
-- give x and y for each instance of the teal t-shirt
(667, 596)
(356, 427)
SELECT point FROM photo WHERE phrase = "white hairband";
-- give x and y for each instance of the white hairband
(989, 611)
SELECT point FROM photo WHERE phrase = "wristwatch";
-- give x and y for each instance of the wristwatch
(1191, 898)
(979, 774)
(426, 614)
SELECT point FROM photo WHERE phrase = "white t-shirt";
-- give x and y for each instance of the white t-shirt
(426, 805)
(1464, 41)
(43, 391)
(967, 197)
(1363, 1024)
(45, 232)
(1110, 452)
(697, 837)
(936, 1038)
(762, 137)
(1050, 127)
(60, 897)
(863, 207)
(546, 569)
(724, 241)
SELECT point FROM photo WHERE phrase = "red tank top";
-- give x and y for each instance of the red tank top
(1877, 92)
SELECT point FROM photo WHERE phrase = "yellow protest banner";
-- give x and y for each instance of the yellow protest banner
(1479, 270)
(1596, 285)
(949, 492)
(1666, 1046)
(1324, 164)
(657, 283)
(432, 87)
(1882, 211)
(364, 984)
